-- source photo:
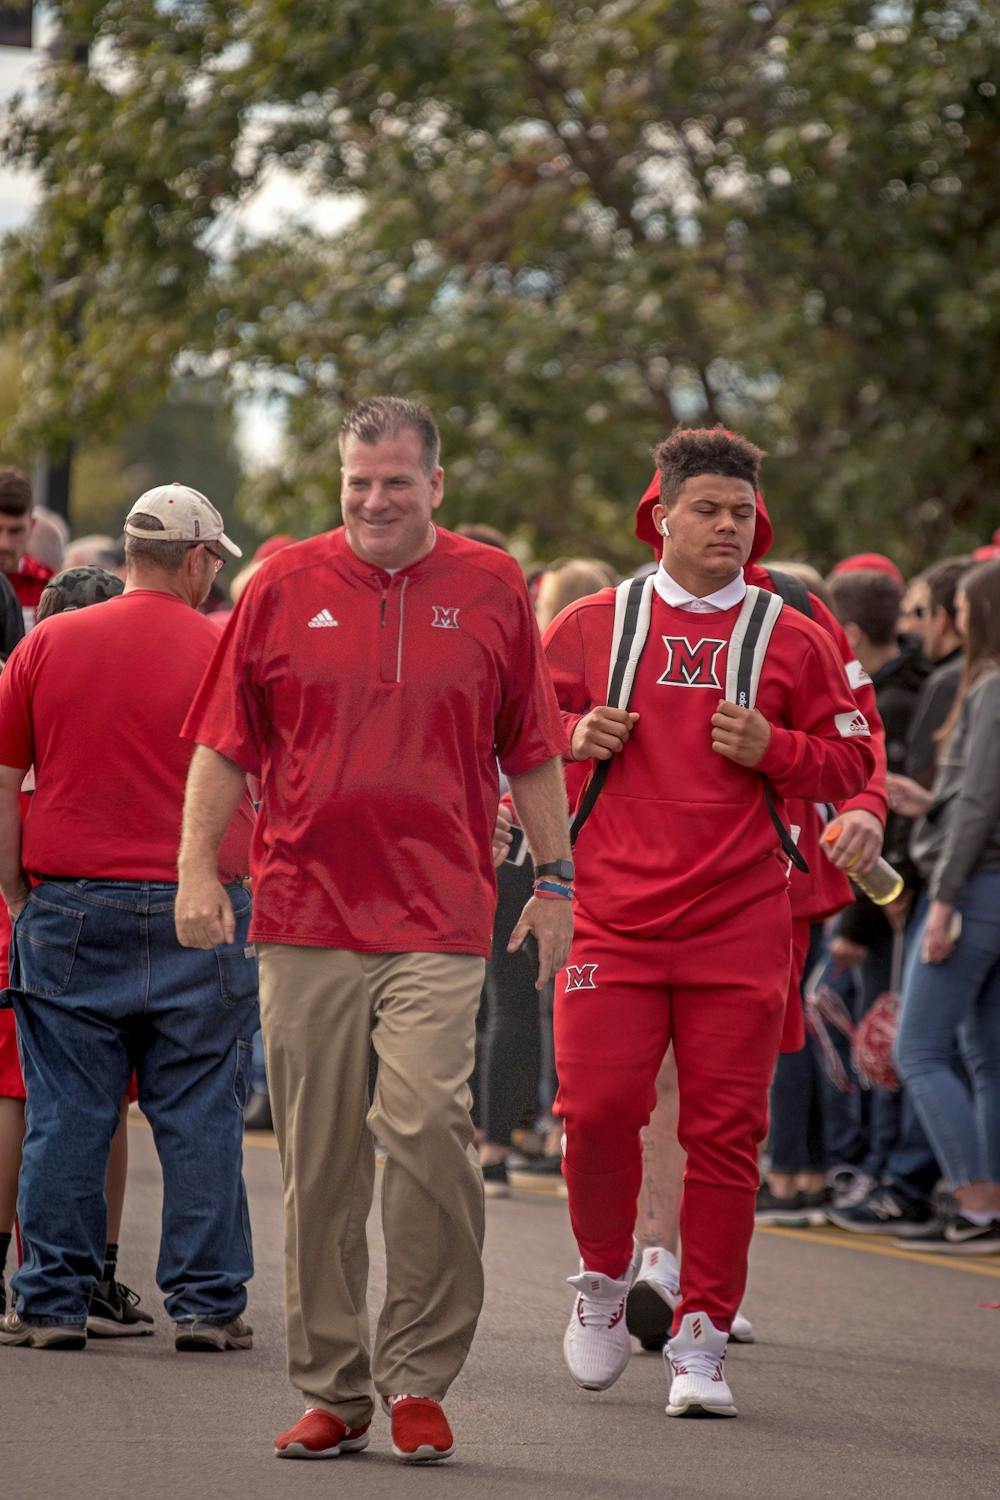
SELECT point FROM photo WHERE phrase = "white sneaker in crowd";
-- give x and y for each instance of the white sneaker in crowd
(696, 1363)
(596, 1346)
(655, 1292)
(742, 1329)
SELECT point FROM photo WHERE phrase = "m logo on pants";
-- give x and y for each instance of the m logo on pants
(580, 977)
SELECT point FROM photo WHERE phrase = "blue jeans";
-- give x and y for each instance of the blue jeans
(100, 986)
(960, 997)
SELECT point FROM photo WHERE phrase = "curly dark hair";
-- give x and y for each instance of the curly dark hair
(690, 451)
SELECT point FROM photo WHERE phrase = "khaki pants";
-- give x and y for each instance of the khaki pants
(320, 1008)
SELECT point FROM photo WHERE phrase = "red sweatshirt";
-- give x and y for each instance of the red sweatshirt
(826, 889)
(680, 837)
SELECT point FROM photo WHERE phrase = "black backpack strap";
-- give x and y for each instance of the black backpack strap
(790, 588)
(633, 603)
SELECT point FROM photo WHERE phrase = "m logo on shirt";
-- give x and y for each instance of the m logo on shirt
(444, 619)
(691, 666)
(580, 977)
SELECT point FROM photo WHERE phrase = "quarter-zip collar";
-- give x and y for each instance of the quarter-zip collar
(361, 568)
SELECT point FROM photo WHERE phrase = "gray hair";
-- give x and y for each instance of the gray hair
(387, 416)
(139, 552)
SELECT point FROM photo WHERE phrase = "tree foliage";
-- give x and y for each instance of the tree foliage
(576, 225)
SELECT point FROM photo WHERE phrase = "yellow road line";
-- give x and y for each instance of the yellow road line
(552, 1187)
(841, 1241)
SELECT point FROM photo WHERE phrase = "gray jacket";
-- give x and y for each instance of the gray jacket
(961, 832)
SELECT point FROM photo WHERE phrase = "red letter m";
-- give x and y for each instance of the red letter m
(691, 666)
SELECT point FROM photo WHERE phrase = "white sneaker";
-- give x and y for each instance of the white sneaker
(596, 1346)
(655, 1292)
(742, 1329)
(696, 1362)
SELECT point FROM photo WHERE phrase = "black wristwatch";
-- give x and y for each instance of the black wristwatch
(560, 869)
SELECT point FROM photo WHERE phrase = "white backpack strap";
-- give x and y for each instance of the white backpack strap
(748, 645)
(633, 607)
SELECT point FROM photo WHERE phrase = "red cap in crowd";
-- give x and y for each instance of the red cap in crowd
(874, 561)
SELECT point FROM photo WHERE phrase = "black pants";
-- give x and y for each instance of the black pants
(511, 1050)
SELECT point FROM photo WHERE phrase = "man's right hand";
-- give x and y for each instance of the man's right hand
(602, 733)
(203, 912)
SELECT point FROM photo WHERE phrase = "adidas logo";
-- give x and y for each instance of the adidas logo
(322, 621)
(850, 724)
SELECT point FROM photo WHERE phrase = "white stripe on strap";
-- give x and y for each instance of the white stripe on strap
(640, 631)
(748, 645)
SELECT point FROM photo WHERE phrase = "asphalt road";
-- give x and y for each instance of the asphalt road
(876, 1374)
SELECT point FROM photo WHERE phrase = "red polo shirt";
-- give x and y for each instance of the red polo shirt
(94, 699)
(374, 707)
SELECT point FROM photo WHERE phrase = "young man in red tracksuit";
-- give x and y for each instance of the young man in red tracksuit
(814, 896)
(682, 918)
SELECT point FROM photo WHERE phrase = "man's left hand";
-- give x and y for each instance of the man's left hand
(551, 921)
(740, 734)
(502, 836)
(859, 843)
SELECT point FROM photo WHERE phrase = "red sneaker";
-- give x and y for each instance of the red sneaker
(319, 1434)
(420, 1431)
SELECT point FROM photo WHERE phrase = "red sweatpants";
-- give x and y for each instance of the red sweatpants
(720, 997)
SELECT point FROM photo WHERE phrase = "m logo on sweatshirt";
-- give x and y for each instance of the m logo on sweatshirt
(580, 977)
(691, 666)
(444, 619)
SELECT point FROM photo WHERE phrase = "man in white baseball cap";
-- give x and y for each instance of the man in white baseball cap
(96, 698)
(187, 516)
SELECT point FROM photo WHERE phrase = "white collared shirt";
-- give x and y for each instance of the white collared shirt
(671, 592)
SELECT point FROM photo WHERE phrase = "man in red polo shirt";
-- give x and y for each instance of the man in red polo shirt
(683, 923)
(26, 576)
(372, 677)
(94, 700)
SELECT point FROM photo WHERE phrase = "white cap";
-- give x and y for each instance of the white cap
(187, 516)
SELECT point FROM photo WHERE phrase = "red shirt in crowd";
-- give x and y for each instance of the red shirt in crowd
(28, 584)
(680, 837)
(94, 699)
(374, 707)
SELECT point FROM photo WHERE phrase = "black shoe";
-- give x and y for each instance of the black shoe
(964, 1237)
(788, 1213)
(3, 1295)
(548, 1166)
(257, 1114)
(115, 1312)
(929, 1236)
(495, 1184)
(884, 1211)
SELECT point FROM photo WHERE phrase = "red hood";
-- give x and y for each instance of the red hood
(763, 536)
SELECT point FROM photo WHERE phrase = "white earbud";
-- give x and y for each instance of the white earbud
(664, 528)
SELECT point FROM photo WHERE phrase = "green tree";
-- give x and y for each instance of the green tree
(576, 225)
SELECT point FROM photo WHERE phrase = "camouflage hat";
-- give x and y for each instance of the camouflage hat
(76, 588)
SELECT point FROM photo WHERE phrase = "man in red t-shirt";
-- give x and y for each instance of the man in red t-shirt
(26, 576)
(373, 677)
(682, 917)
(94, 700)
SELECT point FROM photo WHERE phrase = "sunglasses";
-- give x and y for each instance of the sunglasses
(217, 557)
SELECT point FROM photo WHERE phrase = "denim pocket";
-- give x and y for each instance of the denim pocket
(45, 938)
(237, 973)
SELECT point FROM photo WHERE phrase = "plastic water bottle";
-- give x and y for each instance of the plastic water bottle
(881, 884)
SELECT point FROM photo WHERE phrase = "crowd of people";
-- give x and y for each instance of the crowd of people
(682, 890)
